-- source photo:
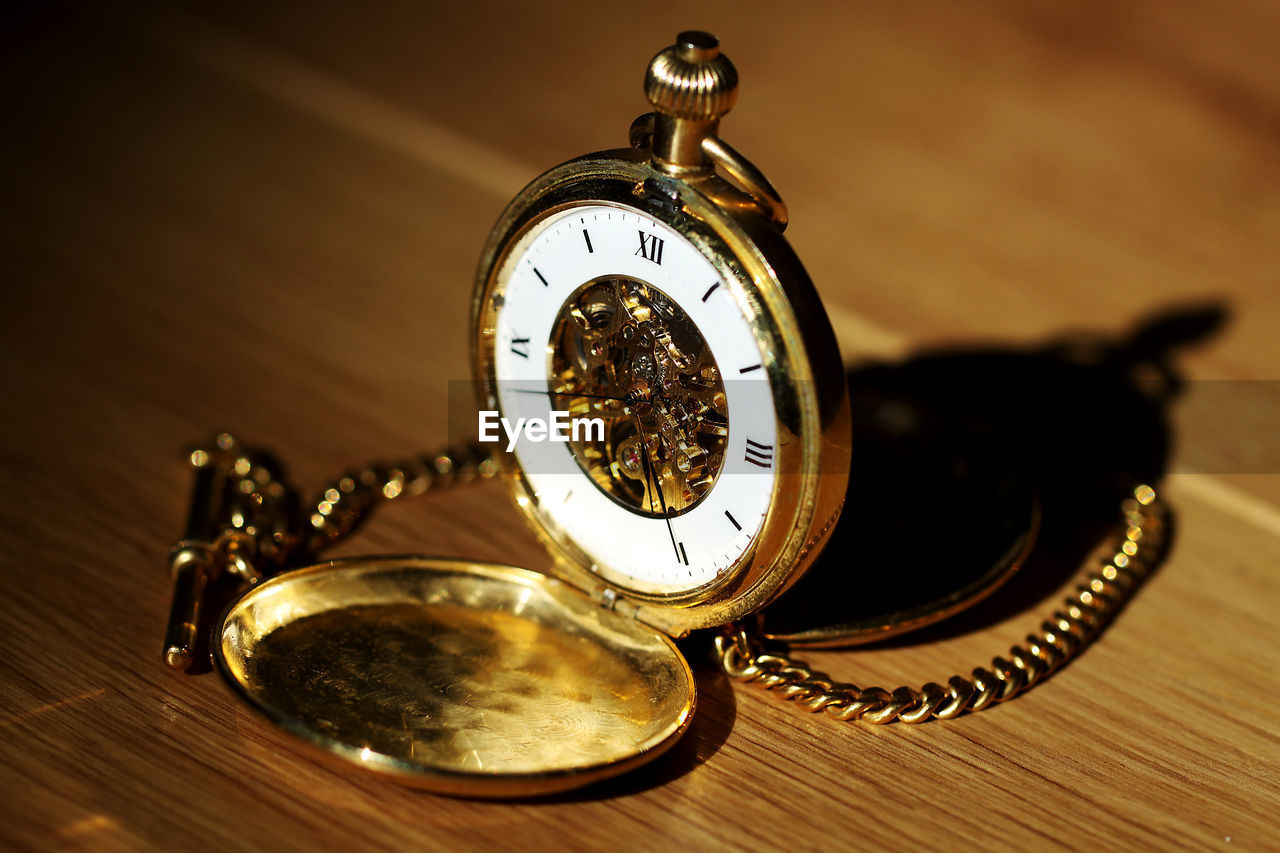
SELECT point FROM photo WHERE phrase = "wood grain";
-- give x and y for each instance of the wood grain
(267, 219)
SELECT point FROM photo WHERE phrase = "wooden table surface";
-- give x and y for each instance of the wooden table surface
(267, 220)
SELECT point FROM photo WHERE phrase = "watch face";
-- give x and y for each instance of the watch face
(632, 392)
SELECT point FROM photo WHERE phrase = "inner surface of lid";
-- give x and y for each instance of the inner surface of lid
(466, 678)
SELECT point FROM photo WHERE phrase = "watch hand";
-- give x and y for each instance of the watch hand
(566, 394)
(649, 484)
(650, 474)
(666, 516)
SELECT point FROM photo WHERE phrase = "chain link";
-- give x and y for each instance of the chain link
(1101, 594)
(245, 521)
(263, 530)
(346, 501)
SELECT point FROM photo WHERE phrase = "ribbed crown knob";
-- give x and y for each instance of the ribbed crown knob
(692, 79)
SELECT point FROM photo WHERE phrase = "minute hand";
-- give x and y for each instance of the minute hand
(652, 476)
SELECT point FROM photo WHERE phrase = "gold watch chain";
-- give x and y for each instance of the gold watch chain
(1102, 593)
(244, 519)
(252, 536)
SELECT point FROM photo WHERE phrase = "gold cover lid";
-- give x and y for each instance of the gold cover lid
(465, 678)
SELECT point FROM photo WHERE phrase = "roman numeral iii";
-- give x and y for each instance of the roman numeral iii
(760, 454)
(650, 247)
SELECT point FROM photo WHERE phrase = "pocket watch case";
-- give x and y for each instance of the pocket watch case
(485, 680)
(460, 677)
(759, 370)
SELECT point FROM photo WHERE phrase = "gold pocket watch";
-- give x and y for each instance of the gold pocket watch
(678, 424)
(658, 306)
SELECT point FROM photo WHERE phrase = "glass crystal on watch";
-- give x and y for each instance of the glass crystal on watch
(624, 352)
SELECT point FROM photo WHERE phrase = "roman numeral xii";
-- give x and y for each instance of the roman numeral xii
(650, 247)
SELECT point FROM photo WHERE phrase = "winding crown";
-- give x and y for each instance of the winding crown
(692, 79)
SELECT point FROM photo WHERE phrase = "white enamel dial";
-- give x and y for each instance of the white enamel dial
(647, 545)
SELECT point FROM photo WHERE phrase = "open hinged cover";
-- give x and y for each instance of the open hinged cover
(462, 677)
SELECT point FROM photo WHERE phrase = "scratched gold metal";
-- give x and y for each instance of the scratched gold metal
(463, 677)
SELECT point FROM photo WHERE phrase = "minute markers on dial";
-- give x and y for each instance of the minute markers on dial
(657, 371)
